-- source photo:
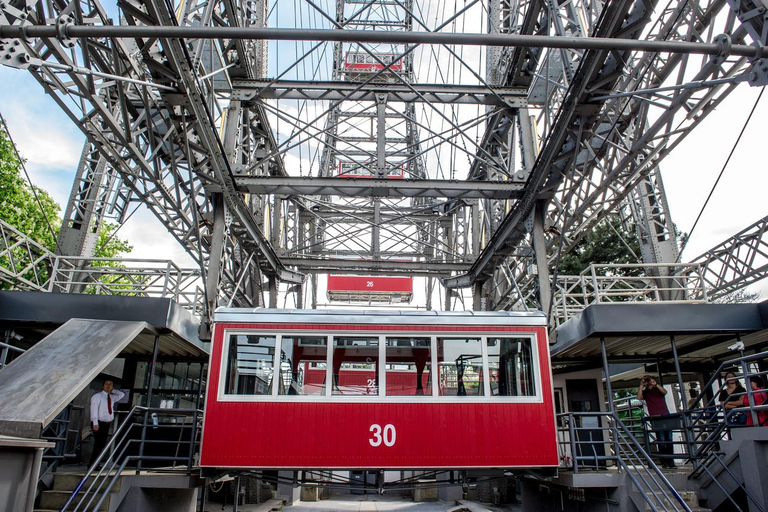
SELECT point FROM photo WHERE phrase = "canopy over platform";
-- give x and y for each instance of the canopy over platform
(34, 315)
(641, 332)
(42, 381)
(81, 335)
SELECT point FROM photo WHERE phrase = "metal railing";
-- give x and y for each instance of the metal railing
(128, 276)
(133, 446)
(6, 349)
(27, 265)
(591, 440)
(606, 283)
(65, 434)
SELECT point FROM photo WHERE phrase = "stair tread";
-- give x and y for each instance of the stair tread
(270, 505)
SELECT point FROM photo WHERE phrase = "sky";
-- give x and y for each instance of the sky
(52, 143)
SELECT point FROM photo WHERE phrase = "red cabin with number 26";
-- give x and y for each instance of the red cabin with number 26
(313, 389)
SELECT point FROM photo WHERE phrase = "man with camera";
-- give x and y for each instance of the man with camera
(655, 400)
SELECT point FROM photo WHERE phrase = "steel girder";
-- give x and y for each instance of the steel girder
(574, 117)
(140, 104)
(737, 262)
(394, 92)
(616, 160)
(392, 188)
(603, 134)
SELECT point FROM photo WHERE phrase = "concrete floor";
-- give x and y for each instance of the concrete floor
(381, 503)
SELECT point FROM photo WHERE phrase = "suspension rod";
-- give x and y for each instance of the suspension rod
(64, 31)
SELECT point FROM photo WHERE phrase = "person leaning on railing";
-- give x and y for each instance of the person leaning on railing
(731, 397)
(759, 397)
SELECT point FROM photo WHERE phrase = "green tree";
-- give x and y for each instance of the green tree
(607, 242)
(18, 205)
(32, 211)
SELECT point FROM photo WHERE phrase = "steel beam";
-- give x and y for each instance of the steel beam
(394, 92)
(604, 42)
(369, 187)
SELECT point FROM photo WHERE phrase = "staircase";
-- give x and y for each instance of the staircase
(737, 472)
(684, 487)
(65, 482)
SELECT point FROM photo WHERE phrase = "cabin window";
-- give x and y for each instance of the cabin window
(355, 365)
(302, 365)
(409, 366)
(250, 364)
(460, 367)
(510, 365)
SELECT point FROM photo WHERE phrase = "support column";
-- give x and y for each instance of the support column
(540, 250)
(150, 391)
(214, 266)
(609, 392)
(381, 136)
(683, 406)
(478, 302)
(272, 292)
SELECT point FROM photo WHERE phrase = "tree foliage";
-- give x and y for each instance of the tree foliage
(607, 242)
(18, 205)
(38, 217)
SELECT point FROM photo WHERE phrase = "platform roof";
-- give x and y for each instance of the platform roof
(37, 314)
(641, 332)
(43, 380)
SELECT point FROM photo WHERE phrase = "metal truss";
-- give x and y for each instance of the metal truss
(595, 159)
(413, 162)
(737, 262)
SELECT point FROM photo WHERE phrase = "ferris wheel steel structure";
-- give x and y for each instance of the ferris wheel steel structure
(564, 120)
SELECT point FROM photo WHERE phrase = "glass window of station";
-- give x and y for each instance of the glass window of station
(370, 365)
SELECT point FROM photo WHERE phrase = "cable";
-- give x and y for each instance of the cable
(733, 150)
(31, 186)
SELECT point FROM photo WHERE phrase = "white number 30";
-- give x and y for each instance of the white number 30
(389, 437)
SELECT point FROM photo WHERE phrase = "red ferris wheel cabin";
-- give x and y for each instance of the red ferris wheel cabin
(315, 389)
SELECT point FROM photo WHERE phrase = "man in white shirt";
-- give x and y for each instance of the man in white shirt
(102, 414)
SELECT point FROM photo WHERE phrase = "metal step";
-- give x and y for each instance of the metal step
(56, 499)
(270, 505)
(691, 498)
(67, 481)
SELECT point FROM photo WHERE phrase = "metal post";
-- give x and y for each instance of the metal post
(150, 386)
(272, 291)
(683, 405)
(748, 384)
(683, 400)
(381, 133)
(236, 501)
(609, 390)
(194, 417)
(477, 296)
(574, 443)
(540, 251)
(214, 264)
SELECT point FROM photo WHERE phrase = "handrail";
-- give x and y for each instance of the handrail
(626, 446)
(120, 444)
(104, 451)
(62, 426)
(719, 372)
